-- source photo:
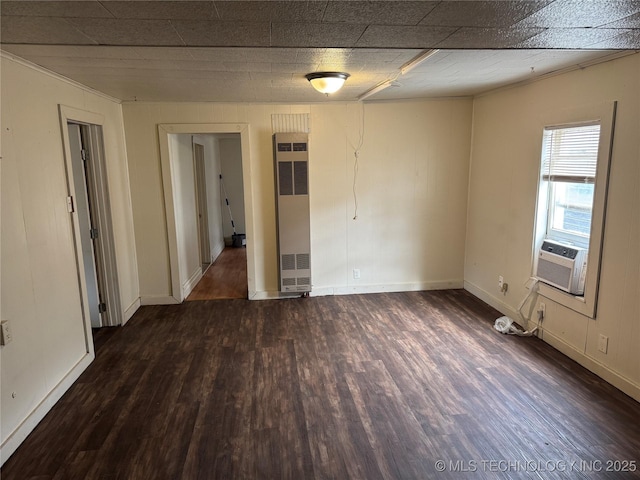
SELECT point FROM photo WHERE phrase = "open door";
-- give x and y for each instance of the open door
(83, 211)
(89, 203)
(201, 205)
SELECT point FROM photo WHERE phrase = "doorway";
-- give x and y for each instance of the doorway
(89, 205)
(183, 277)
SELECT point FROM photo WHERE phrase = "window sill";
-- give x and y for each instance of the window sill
(579, 304)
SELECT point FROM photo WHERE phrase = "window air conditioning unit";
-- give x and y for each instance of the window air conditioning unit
(562, 266)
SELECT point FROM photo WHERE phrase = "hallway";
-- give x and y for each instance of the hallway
(225, 278)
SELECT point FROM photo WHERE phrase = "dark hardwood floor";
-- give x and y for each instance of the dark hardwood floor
(226, 278)
(364, 387)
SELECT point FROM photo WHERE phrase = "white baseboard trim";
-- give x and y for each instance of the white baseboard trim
(382, 288)
(215, 253)
(130, 311)
(190, 284)
(16, 437)
(359, 289)
(604, 372)
(496, 303)
(264, 295)
(620, 382)
(158, 300)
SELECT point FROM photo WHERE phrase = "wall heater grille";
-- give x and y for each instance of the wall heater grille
(291, 158)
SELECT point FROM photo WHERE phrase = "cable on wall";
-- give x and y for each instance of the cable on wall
(356, 155)
(507, 325)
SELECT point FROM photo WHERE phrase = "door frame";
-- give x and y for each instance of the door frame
(94, 124)
(164, 130)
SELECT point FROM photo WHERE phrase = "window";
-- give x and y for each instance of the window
(572, 193)
(569, 165)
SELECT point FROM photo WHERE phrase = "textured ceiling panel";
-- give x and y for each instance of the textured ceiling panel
(621, 41)
(198, 10)
(378, 13)
(467, 37)
(572, 37)
(261, 50)
(632, 21)
(580, 13)
(482, 13)
(163, 53)
(231, 34)
(276, 11)
(315, 35)
(381, 36)
(73, 51)
(54, 9)
(108, 31)
(54, 30)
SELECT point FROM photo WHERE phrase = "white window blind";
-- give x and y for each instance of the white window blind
(570, 154)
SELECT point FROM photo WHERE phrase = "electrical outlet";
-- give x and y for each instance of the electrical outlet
(356, 273)
(6, 332)
(603, 343)
(500, 282)
(542, 310)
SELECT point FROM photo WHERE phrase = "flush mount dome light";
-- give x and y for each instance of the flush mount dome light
(327, 82)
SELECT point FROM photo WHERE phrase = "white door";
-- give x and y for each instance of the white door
(201, 205)
(84, 221)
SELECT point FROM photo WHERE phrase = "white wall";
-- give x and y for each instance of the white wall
(502, 200)
(39, 285)
(412, 191)
(231, 168)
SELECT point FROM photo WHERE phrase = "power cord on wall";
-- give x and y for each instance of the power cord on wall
(356, 155)
(506, 325)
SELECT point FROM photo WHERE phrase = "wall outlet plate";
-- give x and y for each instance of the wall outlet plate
(356, 273)
(603, 343)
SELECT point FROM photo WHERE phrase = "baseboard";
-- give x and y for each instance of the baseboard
(264, 295)
(131, 310)
(215, 253)
(190, 284)
(18, 436)
(622, 383)
(604, 372)
(382, 288)
(496, 303)
(359, 289)
(158, 300)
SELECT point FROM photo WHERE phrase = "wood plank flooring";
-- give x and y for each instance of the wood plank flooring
(226, 278)
(379, 386)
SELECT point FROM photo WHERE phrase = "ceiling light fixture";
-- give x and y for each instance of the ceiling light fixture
(414, 62)
(376, 89)
(327, 82)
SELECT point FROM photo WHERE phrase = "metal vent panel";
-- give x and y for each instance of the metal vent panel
(299, 147)
(291, 165)
(303, 261)
(285, 178)
(288, 261)
(290, 122)
(300, 178)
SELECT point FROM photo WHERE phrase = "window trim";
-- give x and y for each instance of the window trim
(605, 114)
